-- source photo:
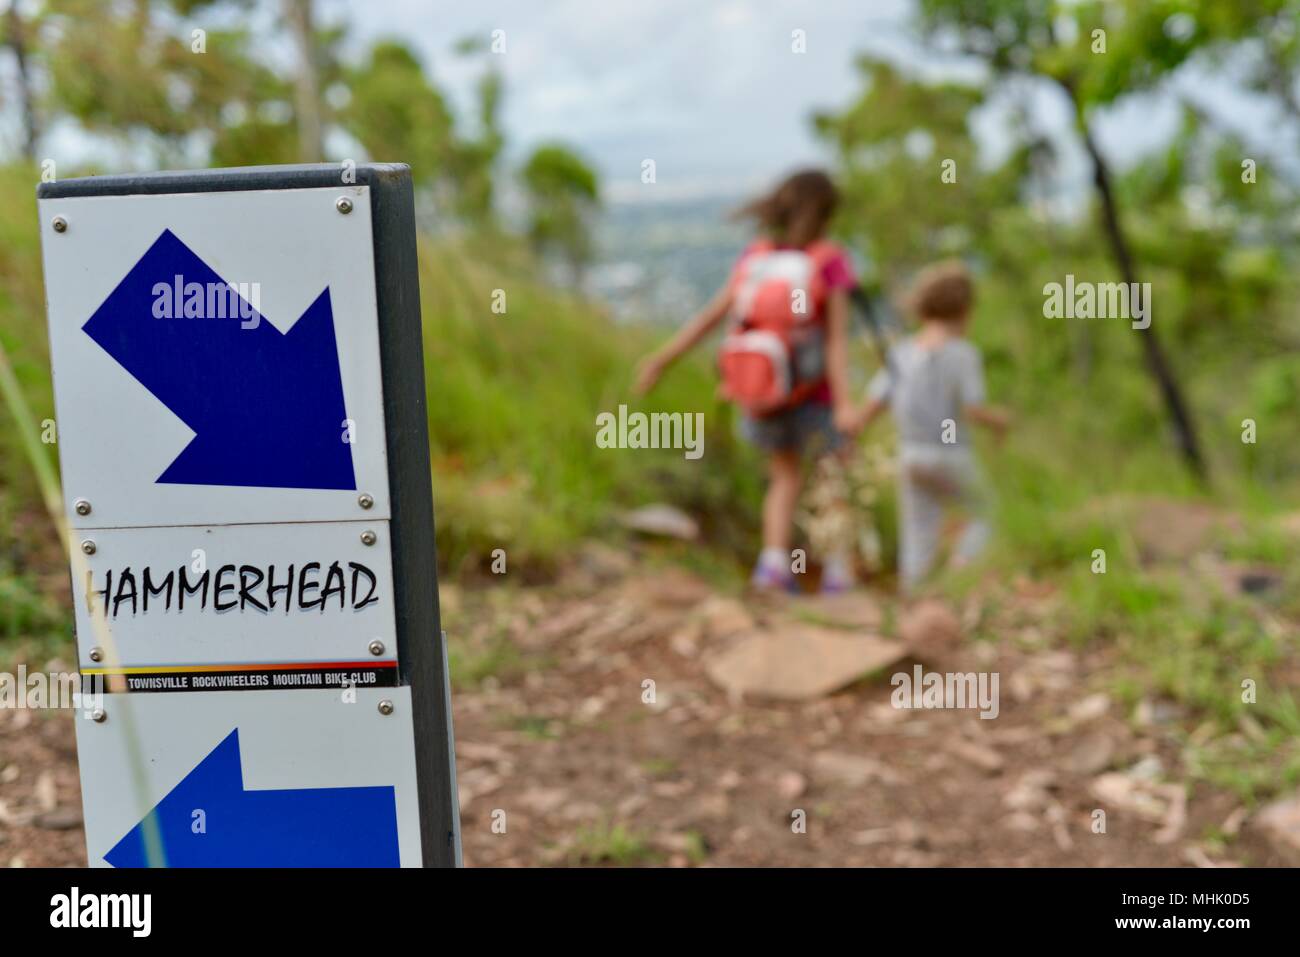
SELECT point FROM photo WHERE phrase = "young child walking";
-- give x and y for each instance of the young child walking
(934, 384)
(784, 359)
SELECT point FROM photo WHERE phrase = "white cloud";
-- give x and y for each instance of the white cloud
(711, 91)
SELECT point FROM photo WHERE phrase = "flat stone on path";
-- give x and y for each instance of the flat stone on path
(980, 755)
(852, 770)
(1280, 823)
(800, 662)
(1092, 754)
(721, 617)
(662, 520)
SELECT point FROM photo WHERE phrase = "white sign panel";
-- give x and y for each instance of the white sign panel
(233, 779)
(216, 357)
(242, 595)
(219, 379)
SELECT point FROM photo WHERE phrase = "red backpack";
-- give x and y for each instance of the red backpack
(773, 356)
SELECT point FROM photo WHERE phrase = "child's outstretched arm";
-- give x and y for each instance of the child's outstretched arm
(657, 363)
(865, 414)
(992, 417)
(876, 401)
(971, 394)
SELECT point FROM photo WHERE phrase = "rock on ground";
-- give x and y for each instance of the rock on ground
(799, 663)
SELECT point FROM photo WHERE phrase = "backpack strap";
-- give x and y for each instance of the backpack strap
(757, 248)
(740, 271)
(821, 252)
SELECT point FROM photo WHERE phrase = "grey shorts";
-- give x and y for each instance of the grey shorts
(805, 428)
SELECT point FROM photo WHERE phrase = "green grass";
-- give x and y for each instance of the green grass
(472, 664)
(659, 767)
(32, 625)
(22, 331)
(536, 727)
(615, 845)
(1253, 770)
(1175, 631)
(513, 400)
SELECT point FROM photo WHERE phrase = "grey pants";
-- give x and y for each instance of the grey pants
(931, 479)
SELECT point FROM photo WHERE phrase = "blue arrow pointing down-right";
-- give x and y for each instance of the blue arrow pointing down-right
(266, 407)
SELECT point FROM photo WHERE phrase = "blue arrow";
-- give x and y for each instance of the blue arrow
(317, 827)
(266, 407)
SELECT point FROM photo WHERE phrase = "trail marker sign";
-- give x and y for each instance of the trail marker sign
(239, 390)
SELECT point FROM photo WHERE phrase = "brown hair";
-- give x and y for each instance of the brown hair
(943, 291)
(797, 211)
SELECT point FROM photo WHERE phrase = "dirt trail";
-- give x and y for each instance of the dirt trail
(586, 771)
(555, 728)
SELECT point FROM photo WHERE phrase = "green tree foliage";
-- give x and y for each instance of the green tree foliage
(397, 114)
(1184, 218)
(137, 72)
(563, 193)
(475, 157)
(892, 144)
(395, 111)
(156, 79)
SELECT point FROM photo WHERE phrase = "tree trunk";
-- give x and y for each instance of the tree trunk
(1157, 362)
(15, 28)
(307, 101)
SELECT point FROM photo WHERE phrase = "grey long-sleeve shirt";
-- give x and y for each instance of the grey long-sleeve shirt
(924, 387)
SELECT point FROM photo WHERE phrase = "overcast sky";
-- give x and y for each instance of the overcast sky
(709, 89)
